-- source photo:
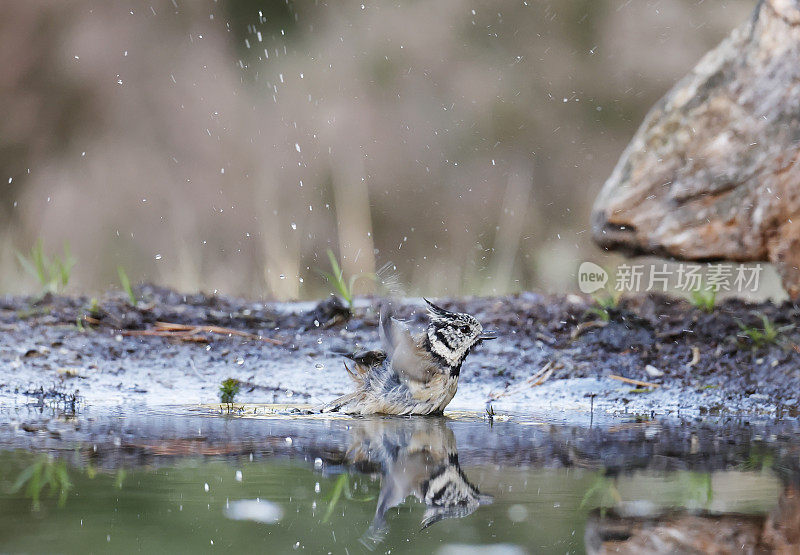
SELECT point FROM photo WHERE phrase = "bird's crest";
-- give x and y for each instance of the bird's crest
(452, 334)
(438, 311)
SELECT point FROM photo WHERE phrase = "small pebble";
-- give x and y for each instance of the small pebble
(653, 372)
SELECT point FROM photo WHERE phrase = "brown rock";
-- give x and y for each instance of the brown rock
(713, 172)
(699, 532)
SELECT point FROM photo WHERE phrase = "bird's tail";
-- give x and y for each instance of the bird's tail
(359, 375)
(337, 404)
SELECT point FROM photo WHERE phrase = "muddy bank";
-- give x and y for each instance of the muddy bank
(105, 353)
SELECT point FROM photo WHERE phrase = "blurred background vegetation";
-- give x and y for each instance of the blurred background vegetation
(226, 145)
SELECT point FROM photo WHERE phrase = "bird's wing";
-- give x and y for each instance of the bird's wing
(368, 359)
(410, 361)
(390, 330)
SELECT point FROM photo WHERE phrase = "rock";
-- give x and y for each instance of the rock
(327, 313)
(653, 372)
(713, 172)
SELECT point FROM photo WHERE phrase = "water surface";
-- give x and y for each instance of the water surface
(193, 481)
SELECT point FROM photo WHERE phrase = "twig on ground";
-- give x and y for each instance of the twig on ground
(537, 379)
(189, 332)
(548, 339)
(634, 382)
(194, 368)
(583, 327)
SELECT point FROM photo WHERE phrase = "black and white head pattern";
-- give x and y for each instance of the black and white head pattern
(448, 494)
(452, 334)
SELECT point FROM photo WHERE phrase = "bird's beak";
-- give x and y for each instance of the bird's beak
(487, 335)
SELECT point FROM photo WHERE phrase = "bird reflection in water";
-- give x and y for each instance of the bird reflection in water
(414, 456)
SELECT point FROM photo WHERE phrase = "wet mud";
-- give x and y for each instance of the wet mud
(648, 355)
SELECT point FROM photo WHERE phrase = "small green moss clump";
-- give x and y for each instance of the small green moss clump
(228, 390)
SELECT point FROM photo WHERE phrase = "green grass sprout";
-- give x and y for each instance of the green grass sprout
(703, 299)
(45, 471)
(340, 488)
(126, 285)
(602, 493)
(603, 304)
(336, 494)
(52, 272)
(340, 285)
(769, 335)
(119, 479)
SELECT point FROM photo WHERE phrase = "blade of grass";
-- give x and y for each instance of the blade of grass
(126, 285)
(338, 488)
(24, 476)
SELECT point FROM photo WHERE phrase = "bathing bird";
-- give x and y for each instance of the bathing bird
(412, 374)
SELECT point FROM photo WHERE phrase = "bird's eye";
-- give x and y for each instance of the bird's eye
(464, 329)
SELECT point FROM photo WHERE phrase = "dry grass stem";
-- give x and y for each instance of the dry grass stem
(190, 333)
(537, 379)
(583, 327)
(634, 382)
